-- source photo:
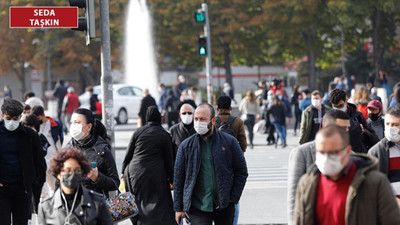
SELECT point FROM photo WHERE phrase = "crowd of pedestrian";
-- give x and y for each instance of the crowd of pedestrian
(195, 170)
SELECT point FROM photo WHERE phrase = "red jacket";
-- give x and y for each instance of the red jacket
(72, 104)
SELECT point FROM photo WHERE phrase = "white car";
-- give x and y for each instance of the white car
(127, 99)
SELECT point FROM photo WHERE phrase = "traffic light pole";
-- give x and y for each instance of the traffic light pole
(207, 34)
(106, 78)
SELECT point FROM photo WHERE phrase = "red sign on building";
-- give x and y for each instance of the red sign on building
(43, 17)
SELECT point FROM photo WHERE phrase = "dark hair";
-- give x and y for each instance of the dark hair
(27, 107)
(397, 95)
(394, 110)
(331, 116)
(29, 94)
(316, 92)
(89, 89)
(98, 128)
(331, 130)
(57, 163)
(337, 95)
(12, 107)
(38, 110)
(224, 102)
(212, 111)
(306, 91)
(332, 86)
(31, 121)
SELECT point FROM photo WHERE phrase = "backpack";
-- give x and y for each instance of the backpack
(226, 126)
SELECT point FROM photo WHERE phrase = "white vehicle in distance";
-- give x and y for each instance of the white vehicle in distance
(127, 99)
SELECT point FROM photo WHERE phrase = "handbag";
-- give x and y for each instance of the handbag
(243, 117)
(122, 207)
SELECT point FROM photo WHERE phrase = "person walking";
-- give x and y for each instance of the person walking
(294, 101)
(148, 171)
(22, 165)
(70, 103)
(375, 121)
(59, 92)
(184, 129)
(72, 203)
(341, 188)
(89, 135)
(146, 102)
(210, 173)
(249, 109)
(53, 131)
(277, 116)
(311, 118)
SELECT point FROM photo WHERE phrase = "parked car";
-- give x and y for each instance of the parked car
(127, 99)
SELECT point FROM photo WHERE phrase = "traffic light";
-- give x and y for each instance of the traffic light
(202, 41)
(86, 23)
(200, 16)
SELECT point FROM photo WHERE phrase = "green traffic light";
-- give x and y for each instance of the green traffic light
(202, 51)
(199, 16)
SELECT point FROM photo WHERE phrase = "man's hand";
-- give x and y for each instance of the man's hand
(179, 216)
(93, 174)
(362, 129)
(1, 185)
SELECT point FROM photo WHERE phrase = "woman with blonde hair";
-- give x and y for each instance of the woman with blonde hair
(249, 109)
(361, 99)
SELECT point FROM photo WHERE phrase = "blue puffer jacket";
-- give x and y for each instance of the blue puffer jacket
(229, 167)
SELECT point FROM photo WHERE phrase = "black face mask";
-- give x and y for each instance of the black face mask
(72, 180)
(373, 117)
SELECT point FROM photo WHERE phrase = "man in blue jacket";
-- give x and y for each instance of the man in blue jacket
(210, 173)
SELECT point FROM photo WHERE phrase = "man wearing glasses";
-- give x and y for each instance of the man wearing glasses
(184, 129)
(343, 189)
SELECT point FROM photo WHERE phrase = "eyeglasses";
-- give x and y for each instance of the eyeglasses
(188, 113)
(331, 153)
(69, 171)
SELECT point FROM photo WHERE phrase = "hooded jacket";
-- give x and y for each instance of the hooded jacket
(370, 198)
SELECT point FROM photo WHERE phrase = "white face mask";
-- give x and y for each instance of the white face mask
(343, 109)
(329, 165)
(76, 131)
(392, 134)
(201, 127)
(187, 119)
(316, 102)
(11, 125)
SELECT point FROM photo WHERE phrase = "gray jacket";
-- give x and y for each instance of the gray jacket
(92, 210)
(301, 158)
(381, 151)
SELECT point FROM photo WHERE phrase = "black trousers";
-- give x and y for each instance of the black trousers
(15, 202)
(219, 216)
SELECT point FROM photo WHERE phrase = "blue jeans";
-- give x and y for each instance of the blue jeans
(235, 220)
(281, 131)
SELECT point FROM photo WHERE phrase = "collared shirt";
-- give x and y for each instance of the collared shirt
(205, 190)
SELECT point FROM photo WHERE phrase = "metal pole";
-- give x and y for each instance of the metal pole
(207, 33)
(48, 66)
(342, 52)
(106, 78)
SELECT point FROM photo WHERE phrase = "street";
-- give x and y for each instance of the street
(264, 197)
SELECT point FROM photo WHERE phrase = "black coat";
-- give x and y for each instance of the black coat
(146, 103)
(179, 132)
(148, 172)
(96, 149)
(30, 156)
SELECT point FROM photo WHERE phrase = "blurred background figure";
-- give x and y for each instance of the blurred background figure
(228, 91)
(294, 101)
(374, 94)
(146, 102)
(7, 91)
(277, 117)
(361, 99)
(70, 103)
(182, 82)
(59, 92)
(249, 108)
(163, 96)
(32, 100)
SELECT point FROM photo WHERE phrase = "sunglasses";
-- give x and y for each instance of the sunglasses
(187, 113)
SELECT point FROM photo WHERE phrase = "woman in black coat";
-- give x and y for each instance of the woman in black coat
(277, 115)
(89, 135)
(148, 171)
